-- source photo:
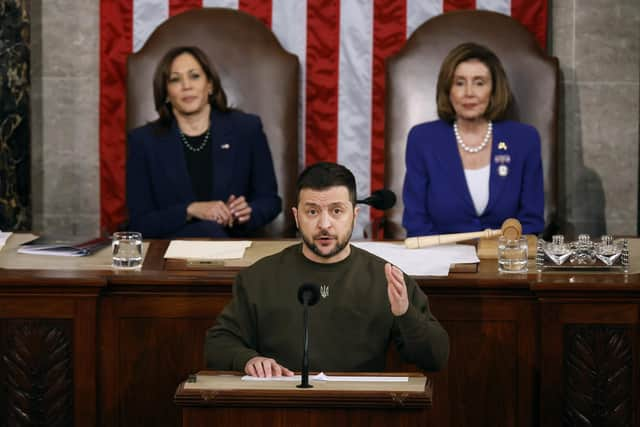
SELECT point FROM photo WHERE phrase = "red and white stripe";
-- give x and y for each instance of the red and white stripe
(341, 45)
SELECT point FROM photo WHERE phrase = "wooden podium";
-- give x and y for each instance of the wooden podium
(213, 398)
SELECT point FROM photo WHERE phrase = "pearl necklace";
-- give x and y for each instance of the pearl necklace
(465, 147)
(191, 147)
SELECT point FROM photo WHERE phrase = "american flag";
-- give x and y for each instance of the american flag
(341, 46)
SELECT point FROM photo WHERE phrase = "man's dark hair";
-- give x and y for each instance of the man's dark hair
(323, 175)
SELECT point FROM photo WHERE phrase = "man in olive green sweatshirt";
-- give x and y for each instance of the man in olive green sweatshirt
(366, 302)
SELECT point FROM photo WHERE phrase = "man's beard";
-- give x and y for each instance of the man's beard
(340, 244)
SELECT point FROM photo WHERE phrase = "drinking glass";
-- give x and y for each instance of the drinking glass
(512, 255)
(126, 250)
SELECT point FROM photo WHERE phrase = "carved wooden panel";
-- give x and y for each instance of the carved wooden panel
(597, 375)
(36, 373)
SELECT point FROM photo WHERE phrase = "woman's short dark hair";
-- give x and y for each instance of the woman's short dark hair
(217, 99)
(500, 92)
(323, 175)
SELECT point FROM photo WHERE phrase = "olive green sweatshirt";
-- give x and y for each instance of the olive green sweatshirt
(350, 328)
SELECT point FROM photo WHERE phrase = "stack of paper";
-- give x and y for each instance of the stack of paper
(206, 250)
(432, 261)
(4, 236)
(324, 377)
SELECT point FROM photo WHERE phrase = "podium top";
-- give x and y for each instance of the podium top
(215, 388)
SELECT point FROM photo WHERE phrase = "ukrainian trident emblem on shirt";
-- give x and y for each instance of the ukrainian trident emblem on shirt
(324, 291)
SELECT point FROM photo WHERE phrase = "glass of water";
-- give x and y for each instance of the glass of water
(126, 250)
(512, 255)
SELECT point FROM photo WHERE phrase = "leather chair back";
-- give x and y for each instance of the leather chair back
(257, 74)
(412, 76)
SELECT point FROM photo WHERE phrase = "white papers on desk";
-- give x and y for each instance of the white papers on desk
(432, 261)
(323, 377)
(206, 250)
(4, 236)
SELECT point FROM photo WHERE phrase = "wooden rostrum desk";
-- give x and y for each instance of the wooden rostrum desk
(106, 348)
(222, 399)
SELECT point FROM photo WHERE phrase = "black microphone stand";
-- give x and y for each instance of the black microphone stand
(305, 352)
(308, 295)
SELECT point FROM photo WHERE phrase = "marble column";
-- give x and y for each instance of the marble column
(15, 159)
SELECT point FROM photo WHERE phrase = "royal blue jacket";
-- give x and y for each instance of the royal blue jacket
(436, 196)
(159, 186)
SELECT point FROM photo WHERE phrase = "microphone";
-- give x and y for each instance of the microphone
(308, 295)
(380, 199)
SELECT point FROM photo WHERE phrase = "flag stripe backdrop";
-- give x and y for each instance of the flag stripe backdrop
(341, 45)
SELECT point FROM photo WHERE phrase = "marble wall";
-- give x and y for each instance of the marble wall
(15, 209)
(596, 41)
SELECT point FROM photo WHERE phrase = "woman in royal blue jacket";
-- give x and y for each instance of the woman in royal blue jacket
(472, 169)
(201, 169)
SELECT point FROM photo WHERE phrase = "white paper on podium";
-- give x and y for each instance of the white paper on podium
(323, 377)
(432, 261)
(4, 236)
(206, 250)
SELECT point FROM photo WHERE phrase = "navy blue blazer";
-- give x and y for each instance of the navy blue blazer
(159, 185)
(436, 196)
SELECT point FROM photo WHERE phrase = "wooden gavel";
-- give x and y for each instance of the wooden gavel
(511, 229)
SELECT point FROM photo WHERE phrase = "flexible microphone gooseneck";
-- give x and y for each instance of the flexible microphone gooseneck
(380, 199)
(308, 295)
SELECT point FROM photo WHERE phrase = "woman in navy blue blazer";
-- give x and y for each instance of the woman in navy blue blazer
(472, 169)
(201, 169)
